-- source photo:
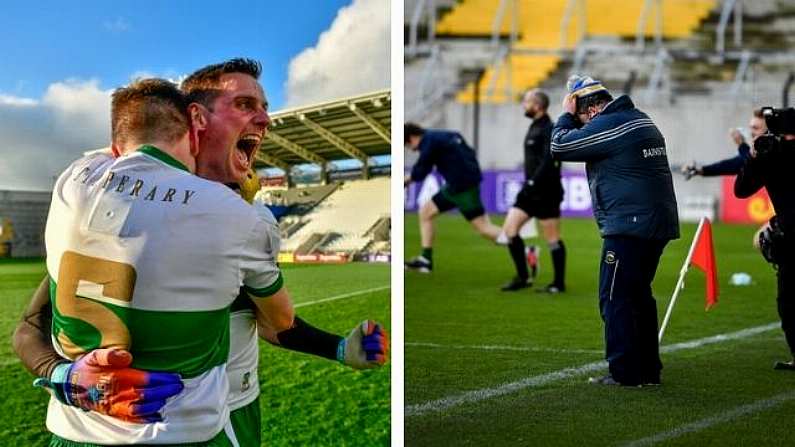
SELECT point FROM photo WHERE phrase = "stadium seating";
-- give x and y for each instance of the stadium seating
(539, 28)
(342, 222)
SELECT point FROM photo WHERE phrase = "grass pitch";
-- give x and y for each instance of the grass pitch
(305, 400)
(485, 367)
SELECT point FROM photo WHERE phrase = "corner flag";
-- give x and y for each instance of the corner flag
(701, 255)
(704, 259)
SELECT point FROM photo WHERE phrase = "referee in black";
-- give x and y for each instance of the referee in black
(540, 197)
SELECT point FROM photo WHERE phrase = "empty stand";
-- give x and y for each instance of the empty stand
(344, 220)
(539, 25)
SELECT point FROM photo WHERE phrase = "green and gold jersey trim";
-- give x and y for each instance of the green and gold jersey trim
(186, 342)
(266, 291)
(162, 156)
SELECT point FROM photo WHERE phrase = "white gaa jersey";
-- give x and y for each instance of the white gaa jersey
(244, 348)
(148, 257)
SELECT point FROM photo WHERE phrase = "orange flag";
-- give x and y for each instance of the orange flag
(704, 259)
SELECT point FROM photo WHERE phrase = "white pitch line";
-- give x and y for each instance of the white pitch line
(554, 376)
(705, 423)
(343, 296)
(504, 348)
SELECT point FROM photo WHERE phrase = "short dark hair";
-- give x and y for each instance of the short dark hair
(594, 99)
(203, 85)
(148, 110)
(412, 130)
(542, 98)
(758, 114)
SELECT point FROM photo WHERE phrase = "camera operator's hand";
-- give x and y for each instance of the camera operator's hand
(736, 136)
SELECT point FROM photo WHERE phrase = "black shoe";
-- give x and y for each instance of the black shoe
(516, 283)
(785, 366)
(552, 289)
(419, 264)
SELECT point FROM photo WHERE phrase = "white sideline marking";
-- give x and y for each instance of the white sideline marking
(735, 413)
(343, 296)
(543, 379)
(505, 348)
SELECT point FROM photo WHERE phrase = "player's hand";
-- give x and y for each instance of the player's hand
(570, 104)
(102, 381)
(366, 347)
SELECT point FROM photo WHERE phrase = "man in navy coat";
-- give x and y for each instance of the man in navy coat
(635, 209)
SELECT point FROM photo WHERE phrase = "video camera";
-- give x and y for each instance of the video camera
(779, 122)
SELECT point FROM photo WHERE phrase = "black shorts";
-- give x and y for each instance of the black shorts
(467, 201)
(538, 204)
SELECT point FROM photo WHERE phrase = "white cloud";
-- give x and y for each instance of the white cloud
(10, 100)
(39, 138)
(117, 25)
(351, 57)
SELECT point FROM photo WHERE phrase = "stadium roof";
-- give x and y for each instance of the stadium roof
(357, 127)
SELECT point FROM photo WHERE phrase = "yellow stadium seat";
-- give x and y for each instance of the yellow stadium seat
(538, 25)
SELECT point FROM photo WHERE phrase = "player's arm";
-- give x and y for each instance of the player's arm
(366, 346)
(32, 341)
(138, 396)
(425, 162)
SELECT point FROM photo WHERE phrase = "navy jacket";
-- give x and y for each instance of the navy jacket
(729, 166)
(628, 173)
(453, 158)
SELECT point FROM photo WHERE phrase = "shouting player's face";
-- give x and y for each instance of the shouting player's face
(234, 127)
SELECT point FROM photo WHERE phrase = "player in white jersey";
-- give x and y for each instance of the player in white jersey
(118, 237)
(368, 348)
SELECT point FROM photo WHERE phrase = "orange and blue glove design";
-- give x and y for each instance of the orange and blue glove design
(103, 381)
(366, 347)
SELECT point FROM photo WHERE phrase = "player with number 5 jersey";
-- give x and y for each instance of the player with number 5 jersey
(147, 257)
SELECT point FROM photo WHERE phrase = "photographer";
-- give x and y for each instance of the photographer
(770, 166)
(733, 165)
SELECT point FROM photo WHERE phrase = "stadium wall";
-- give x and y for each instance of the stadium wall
(27, 211)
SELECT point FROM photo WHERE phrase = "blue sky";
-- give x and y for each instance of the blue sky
(63, 59)
(113, 40)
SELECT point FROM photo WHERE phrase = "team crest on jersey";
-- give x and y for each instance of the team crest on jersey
(246, 381)
(610, 257)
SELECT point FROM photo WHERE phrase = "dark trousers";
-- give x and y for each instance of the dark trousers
(786, 297)
(628, 308)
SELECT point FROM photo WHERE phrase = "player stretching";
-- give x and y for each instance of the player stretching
(457, 164)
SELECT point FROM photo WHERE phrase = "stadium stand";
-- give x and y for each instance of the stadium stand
(27, 212)
(334, 216)
(696, 82)
(345, 221)
(538, 25)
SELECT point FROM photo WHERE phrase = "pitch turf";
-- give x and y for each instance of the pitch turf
(305, 400)
(485, 367)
